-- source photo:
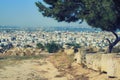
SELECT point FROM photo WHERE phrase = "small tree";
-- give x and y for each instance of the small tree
(39, 45)
(28, 46)
(103, 14)
(53, 47)
(75, 45)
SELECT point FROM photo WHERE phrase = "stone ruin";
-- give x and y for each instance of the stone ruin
(108, 63)
(22, 52)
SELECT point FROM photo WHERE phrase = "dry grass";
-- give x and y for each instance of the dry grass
(23, 57)
(14, 60)
(81, 77)
(36, 77)
(61, 60)
(64, 64)
(8, 62)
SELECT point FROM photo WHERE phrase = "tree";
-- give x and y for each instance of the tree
(103, 14)
(52, 47)
(40, 45)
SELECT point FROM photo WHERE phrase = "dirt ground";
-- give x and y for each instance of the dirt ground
(54, 67)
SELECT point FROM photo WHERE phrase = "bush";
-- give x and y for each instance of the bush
(28, 46)
(53, 47)
(91, 50)
(75, 45)
(40, 46)
(116, 49)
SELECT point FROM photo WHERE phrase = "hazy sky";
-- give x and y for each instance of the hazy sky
(24, 13)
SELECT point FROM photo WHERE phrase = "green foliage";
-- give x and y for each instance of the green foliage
(53, 47)
(103, 14)
(28, 46)
(39, 45)
(90, 50)
(75, 45)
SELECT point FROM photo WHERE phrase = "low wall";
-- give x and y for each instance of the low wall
(109, 63)
(22, 52)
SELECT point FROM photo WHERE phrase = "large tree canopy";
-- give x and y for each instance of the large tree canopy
(103, 14)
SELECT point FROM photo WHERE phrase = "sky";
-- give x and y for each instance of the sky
(24, 13)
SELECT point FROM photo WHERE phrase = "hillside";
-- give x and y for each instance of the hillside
(59, 66)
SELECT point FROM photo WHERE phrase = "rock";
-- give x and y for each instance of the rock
(93, 61)
(117, 70)
(96, 62)
(69, 51)
(36, 53)
(96, 49)
(104, 63)
(21, 54)
(28, 52)
(69, 77)
(10, 53)
(109, 63)
(65, 46)
(79, 56)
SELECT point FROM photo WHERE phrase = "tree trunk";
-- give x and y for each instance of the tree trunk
(112, 44)
(110, 48)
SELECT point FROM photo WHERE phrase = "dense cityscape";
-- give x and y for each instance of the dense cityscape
(22, 38)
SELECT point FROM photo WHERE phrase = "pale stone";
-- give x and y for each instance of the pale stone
(65, 46)
(36, 53)
(69, 51)
(10, 53)
(80, 56)
(108, 64)
(89, 60)
(21, 54)
(102, 62)
(117, 70)
(96, 62)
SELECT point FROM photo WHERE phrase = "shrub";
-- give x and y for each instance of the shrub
(28, 46)
(75, 45)
(40, 46)
(53, 47)
(116, 49)
(91, 50)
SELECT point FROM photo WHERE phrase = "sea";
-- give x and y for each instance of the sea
(48, 29)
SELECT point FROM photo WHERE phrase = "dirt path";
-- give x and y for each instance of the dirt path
(43, 69)
(30, 70)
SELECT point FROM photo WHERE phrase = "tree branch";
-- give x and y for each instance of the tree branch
(115, 34)
(108, 41)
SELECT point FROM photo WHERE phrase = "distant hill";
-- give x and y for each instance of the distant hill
(71, 29)
(49, 29)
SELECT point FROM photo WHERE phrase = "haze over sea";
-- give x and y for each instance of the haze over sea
(49, 29)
